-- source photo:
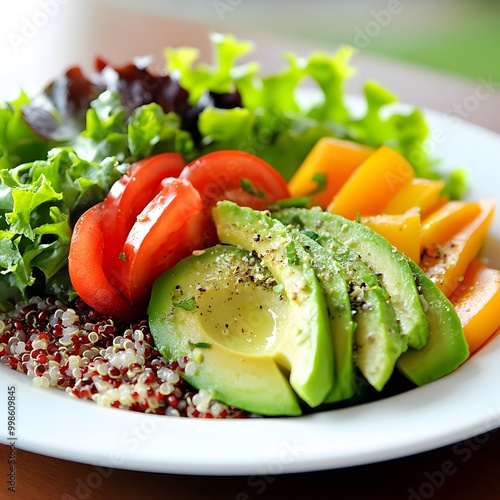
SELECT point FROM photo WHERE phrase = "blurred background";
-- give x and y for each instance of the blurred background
(430, 53)
(459, 36)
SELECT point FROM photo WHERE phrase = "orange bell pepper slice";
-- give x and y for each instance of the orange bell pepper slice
(441, 202)
(445, 262)
(336, 160)
(447, 221)
(477, 302)
(376, 180)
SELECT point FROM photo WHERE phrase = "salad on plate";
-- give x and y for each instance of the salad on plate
(211, 242)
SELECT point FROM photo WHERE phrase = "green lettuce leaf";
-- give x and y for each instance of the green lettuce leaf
(105, 134)
(18, 143)
(152, 131)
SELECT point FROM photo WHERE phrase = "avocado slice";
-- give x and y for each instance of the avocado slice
(306, 350)
(219, 309)
(446, 347)
(390, 266)
(333, 281)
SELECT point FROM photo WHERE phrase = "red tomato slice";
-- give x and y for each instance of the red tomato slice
(237, 176)
(85, 264)
(163, 234)
(128, 197)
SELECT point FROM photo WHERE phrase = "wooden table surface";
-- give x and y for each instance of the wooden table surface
(468, 469)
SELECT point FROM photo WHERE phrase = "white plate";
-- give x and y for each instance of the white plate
(461, 405)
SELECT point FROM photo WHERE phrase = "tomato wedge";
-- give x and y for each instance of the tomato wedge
(167, 230)
(128, 197)
(85, 264)
(236, 176)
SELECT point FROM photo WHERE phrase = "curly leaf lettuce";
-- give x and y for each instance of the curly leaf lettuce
(152, 131)
(218, 77)
(35, 216)
(274, 124)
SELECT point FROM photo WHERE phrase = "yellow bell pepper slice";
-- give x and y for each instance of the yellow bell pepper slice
(419, 192)
(402, 231)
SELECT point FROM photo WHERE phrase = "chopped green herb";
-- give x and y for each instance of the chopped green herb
(187, 304)
(122, 256)
(321, 180)
(201, 345)
(370, 280)
(358, 217)
(311, 234)
(291, 254)
(297, 220)
(299, 201)
(247, 186)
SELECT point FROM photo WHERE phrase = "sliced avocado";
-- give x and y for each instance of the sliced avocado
(446, 347)
(384, 260)
(333, 281)
(378, 340)
(219, 309)
(306, 350)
